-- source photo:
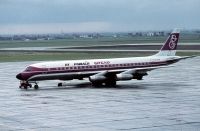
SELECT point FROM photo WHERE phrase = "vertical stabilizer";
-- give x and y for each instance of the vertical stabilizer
(170, 45)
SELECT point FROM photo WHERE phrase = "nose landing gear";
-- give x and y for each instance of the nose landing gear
(36, 86)
(26, 85)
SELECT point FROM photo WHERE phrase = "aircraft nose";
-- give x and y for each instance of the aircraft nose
(19, 76)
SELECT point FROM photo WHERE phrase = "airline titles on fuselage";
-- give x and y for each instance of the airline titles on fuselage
(102, 62)
(81, 63)
(88, 63)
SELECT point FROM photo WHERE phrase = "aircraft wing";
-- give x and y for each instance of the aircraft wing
(186, 57)
(143, 70)
(136, 73)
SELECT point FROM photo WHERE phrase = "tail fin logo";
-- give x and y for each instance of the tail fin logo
(172, 43)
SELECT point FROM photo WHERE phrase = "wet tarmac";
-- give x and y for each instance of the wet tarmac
(167, 99)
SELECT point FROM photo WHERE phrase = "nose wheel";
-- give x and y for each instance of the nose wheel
(36, 86)
(26, 85)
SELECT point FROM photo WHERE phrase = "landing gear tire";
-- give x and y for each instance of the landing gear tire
(139, 77)
(60, 84)
(25, 87)
(36, 87)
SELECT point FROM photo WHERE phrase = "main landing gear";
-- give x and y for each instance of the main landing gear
(60, 84)
(26, 85)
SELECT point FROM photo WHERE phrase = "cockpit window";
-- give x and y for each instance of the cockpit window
(28, 69)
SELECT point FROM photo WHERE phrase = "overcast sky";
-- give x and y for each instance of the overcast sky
(54, 16)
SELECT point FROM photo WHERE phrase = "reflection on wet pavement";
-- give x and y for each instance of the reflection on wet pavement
(167, 99)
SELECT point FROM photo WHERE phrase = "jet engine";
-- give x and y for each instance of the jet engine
(97, 78)
(123, 77)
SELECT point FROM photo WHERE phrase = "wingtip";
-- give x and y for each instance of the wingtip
(186, 57)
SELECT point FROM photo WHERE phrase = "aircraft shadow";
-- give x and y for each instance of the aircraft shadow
(89, 86)
(121, 86)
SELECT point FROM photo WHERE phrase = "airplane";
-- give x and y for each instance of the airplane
(102, 71)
